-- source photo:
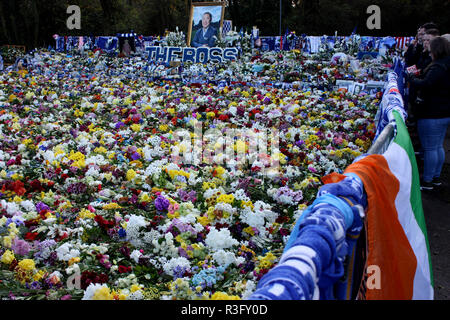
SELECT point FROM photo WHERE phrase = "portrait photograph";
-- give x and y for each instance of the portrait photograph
(206, 19)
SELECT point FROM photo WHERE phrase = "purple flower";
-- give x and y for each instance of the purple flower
(20, 247)
(77, 188)
(161, 204)
(41, 206)
(119, 124)
(135, 156)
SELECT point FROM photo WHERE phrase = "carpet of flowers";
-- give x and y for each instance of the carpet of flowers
(88, 188)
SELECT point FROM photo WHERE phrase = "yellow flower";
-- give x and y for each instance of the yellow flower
(100, 150)
(74, 260)
(136, 127)
(225, 198)
(359, 142)
(144, 197)
(78, 158)
(135, 288)
(208, 185)
(249, 230)
(111, 206)
(39, 275)
(223, 296)
(204, 221)
(174, 215)
(7, 241)
(219, 171)
(248, 204)
(338, 153)
(104, 293)
(131, 174)
(240, 146)
(86, 214)
(27, 264)
(8, 257)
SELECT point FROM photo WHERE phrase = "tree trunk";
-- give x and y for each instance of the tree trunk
(36, 27)
(3, 21)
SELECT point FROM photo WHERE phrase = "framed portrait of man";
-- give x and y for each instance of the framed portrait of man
(205, 22)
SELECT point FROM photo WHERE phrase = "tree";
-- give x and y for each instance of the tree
(34, 22)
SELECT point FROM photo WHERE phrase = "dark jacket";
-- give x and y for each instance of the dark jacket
(424, 61)
(412, 55)
(200, 40)
(421, 59)
(434, 90)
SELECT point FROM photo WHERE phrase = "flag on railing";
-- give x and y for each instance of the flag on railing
(398, 249)
(227, 25)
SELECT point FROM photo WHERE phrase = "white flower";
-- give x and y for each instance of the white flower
(137, 295)
(28, 205)
(12, 208)
(224, 258)
(240, 195)
(91, 289)
(135, 255)
(253, 219)
(176, 262)
(134, 224)
(65, 252)
(250, 287)
(220, 239)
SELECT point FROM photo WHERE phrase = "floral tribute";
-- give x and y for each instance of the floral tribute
(93, 207)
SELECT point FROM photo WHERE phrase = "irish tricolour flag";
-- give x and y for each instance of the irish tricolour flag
(396, 231)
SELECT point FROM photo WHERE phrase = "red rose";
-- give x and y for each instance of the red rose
(123, 269)
(18, 188)
(31, 236)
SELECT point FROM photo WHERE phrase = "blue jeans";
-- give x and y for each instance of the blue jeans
(432, 134)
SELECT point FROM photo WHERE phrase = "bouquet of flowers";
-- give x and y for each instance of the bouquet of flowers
(174, 39)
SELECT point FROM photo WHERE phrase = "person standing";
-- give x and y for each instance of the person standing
(205, 37)
(418, 58)
(425, 59)
(433, 111)
(415, 49)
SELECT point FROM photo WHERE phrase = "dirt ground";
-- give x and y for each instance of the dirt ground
(436, 207)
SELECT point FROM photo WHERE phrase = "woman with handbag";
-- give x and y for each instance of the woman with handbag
(433, 112)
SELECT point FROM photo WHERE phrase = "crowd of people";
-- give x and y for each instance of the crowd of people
(428, 75)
